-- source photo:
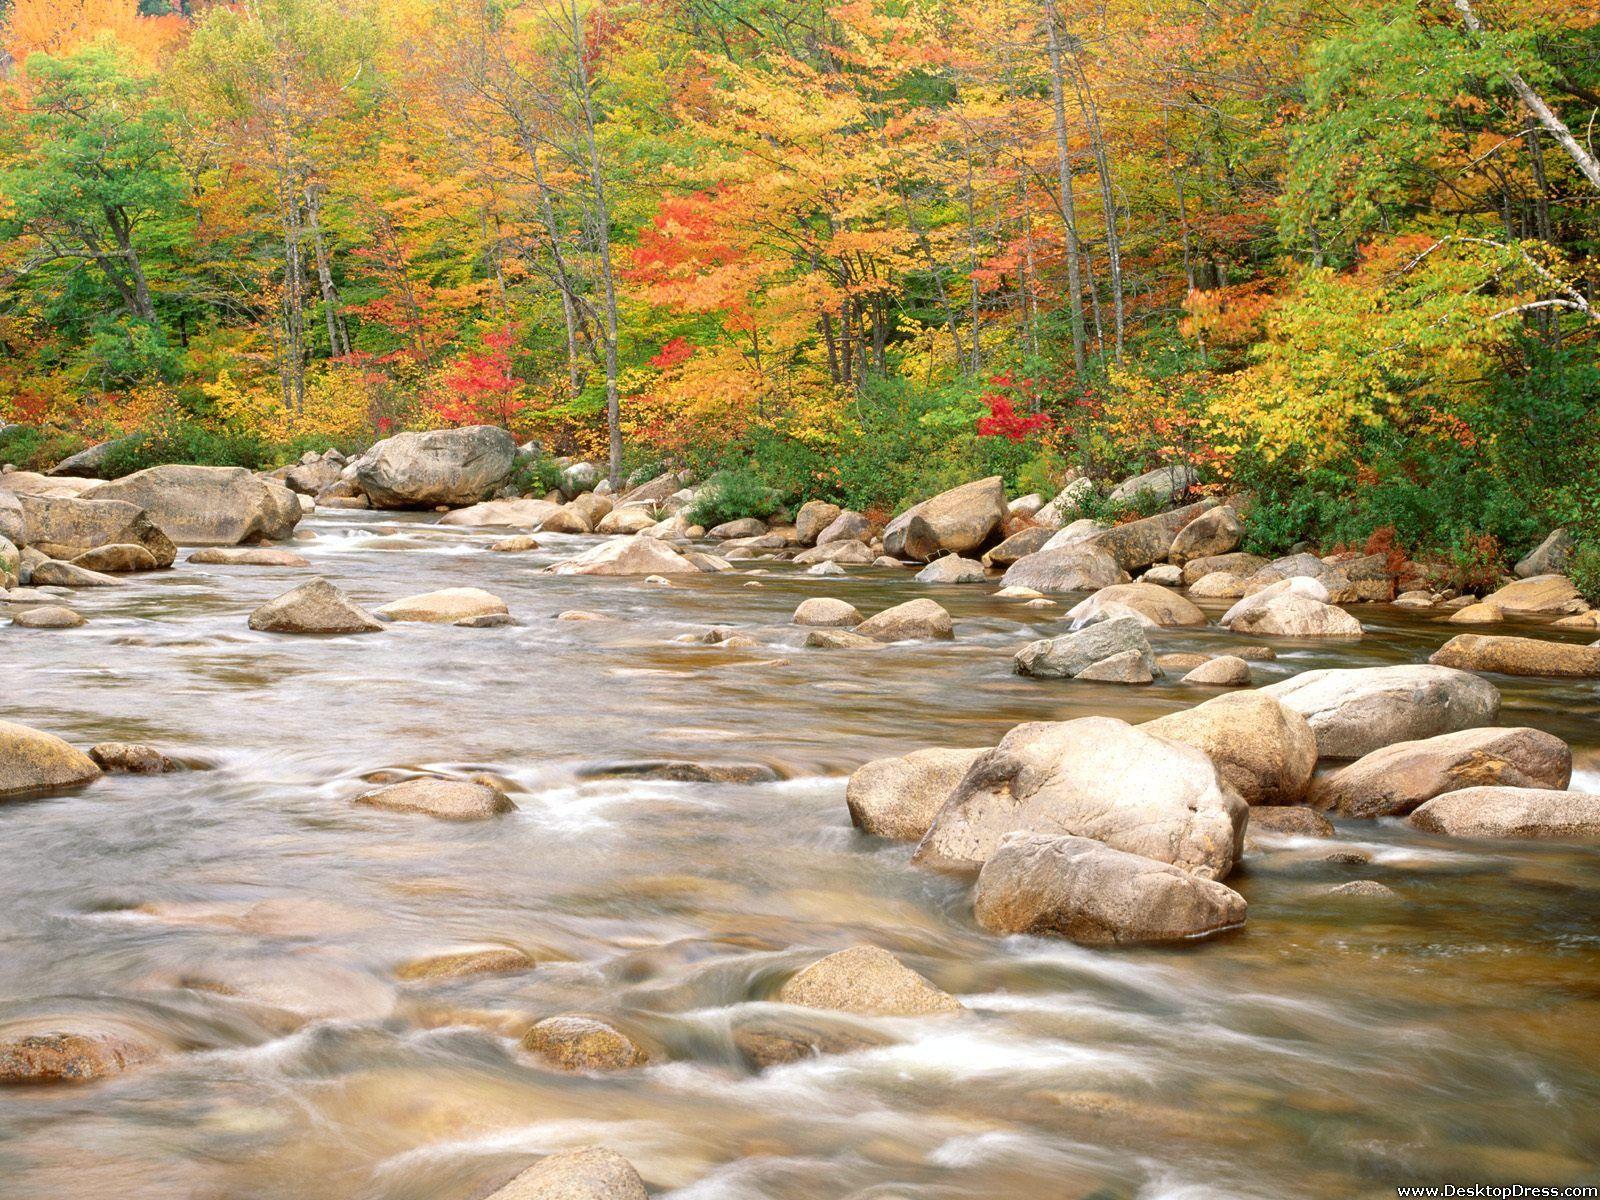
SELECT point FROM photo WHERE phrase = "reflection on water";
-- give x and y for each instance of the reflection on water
(247, 919)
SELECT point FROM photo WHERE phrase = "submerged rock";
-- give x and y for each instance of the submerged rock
(578, 1043)
(866, 980)
(447, 799)
(117, 558)
(685, 772)
(67, 1056)
(1294, 819)
(248, 556)
(589, 1174)
(469, 960)
(913, 620)
(131, 758)
(774, 1041)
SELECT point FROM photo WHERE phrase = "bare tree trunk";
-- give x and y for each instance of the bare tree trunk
(1108, 200)
(1068, 203)
(338, 336)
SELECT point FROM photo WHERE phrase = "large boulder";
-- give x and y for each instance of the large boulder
(1550, 557)
(248, 556)
(1099, 778)
(1018, 546)
(899, 797)
(11, 523)
(923, 620)
(1164, 483)
(954, 522)
(117, 559)
(1355, 711)
(207, 506)
(1068, 656)
(1076, 535)
(1238, 563)
(31, 483)
(593, 1173)
(1511, 813)
(314, 607)
(1262, 749)
(1519, 656)
(51, 573)
(1068, 569)
(444, 606)
(1393, 781)
(1089, 893)
(87, 464)
(629, 519)
(1140, 544)
(1538, 594)
(866, 980)
(1158, 607)
(32, 761)
(627, 556)
(846, 527)
(65, 527)
(1209, 535)
(310, 478)
(655, 490)
(453, 467)
(503, 514)
(814, 516)
(1285, 610)
(1305, 566)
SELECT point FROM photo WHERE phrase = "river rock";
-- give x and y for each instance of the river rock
(1482, 613)
(314, 607)
(593, 1173)
(899, 797)
(848, 552)
(627, 556)
(577, 1043)
(824, 612)
(1393, 781)
(130, 758)
(814, 516)
(507, 514)
(1293, 607)
(65, 527)
(1163, 575)
(1068, 569)
(207, 506)
(867, 980)
(1223, 671)
(51, 573)
(1511, 813)
(1238, 563)
(1550, 557)
(447, 799)
(744, 527)
(48, 616)
(1095, 777)
(1210, 534)
(952, 568)
(31, 760)
(67, 1056)
(1219, 585)
(450, 467)
(914, 620)
(846, 527)
(772, 1041)
(466, 961)
(1369, 889)
(839, 639)
(1076, 535)
(117, 558)
(445, 605)
(1167, 483)
(309, 478)
(1140, 544)
(1159, 606)
(1293, 819)
(825, 569)
(629, 519)
(1127, 666)
(1262, 749)
(89, 463)
(249, 556)
(1339, 588)
(1089, 893)
(1517, 656)
(11, 523)
(1068, 656)
(1538, 594)
(1066, 504)
(954, 522)
(1018, 546)
(1358, 710)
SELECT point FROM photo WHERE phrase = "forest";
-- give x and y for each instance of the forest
(1338, 256)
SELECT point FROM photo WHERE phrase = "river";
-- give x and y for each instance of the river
(244, 916)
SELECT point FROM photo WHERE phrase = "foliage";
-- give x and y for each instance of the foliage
(729, 496)
(30, 448)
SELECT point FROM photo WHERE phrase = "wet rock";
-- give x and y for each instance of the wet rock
(581, 614)
(848, 552)
(117, 559)
(1068, 656)
(898, 798)
(840, 639)
(452, 467)
(32, 760)
(1285, 609)
(63, 574)
(1219, 585)
(1237, 563)
(1393, 781)
(1294, 819)
(589, 1174)
(1096, 777)
(248, 556)
(1210, 534)
(913, 620)
(48, 616)
(629, 519)
(445, 605)
(954, 522)
(1182, 663)
(469, 960)
(1550, 557)
(313, 607)
(1140, 544)
(1264, 750)
(1158, 606)
(309, 478)
(825, 569)
(520, 544)
(508, 514)
(301, 987)
(1368, 888)
(846, 527)
(1477, 614)
(1067, 569)
(207, 506)
(952, 568)
(130, 758)
(685, 772)
(627, 556)
(1130, 666)
(67, 1056)
(775, 1041)
(824, 612)
(1018, 546)
(1511, 813)
(1089, 893)
(866, 980)
(1538, 594)
(1163, 575)
(1518, 656)
(1222, 671)
(565, 521)
(1339, 588)
(1355, 711)
(576, 1043)
(447, 799)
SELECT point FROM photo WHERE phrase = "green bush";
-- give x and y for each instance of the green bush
(187, 442)
(30, 448)
(537, 475)
(730, 496)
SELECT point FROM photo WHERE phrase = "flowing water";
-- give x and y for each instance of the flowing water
(245, 917)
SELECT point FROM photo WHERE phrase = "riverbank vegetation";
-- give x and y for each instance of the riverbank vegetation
(1338, 256)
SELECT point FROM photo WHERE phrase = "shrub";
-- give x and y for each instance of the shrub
(729, 496)
(187, 441)
(537, 474)
(31, 448)
(1583, 568)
